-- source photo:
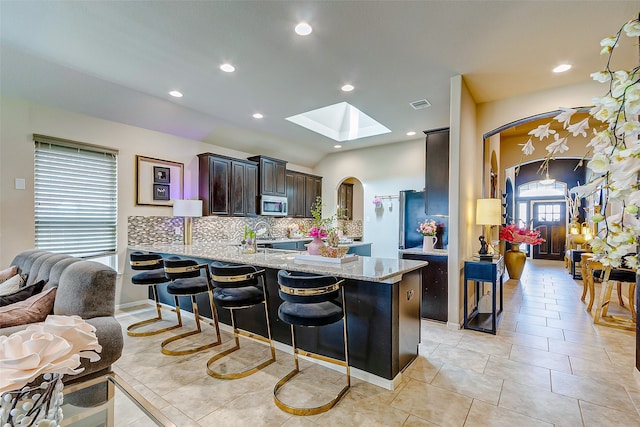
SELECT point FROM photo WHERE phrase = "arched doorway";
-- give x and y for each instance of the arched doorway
(533, 210)
(350, 200)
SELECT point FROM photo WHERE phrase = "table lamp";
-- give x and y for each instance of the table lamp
(187, 209)
(488, 213)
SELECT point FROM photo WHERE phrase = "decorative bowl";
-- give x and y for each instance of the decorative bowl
(331, 252)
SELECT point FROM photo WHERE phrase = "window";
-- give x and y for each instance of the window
(75, 198)
(538, 189)
(549, 212)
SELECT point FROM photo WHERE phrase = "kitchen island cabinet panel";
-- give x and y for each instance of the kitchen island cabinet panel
(435, 286)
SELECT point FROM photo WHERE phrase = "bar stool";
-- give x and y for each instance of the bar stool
(186, 280)
(619, 276)
(238, 287)
(152, 274)
(311, 300)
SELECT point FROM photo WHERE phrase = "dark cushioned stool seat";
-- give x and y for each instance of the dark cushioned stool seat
(188, 286)
(151, 277)
(318, 314)
(238, 297)
(615, 275)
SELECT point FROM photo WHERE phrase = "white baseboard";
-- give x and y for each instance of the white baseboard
(143, 304)
(453, 325)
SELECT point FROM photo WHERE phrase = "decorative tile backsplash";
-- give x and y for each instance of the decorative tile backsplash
(162, 229)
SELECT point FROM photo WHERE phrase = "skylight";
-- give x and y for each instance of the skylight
(340, 122)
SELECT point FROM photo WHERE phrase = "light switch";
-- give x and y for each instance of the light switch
(20, 184)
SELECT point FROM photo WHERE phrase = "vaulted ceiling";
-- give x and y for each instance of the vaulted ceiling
(119, 59)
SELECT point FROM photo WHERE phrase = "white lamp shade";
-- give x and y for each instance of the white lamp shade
(488, 212)
(188, 208)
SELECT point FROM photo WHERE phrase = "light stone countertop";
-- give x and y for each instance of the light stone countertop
(305, 239)
(418, 251)
(384, 270)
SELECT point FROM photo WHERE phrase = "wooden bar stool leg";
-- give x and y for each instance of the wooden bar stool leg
(592, 292)
(620, 300)
(603, 303)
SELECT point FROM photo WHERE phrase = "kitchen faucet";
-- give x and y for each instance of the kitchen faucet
(267, 227)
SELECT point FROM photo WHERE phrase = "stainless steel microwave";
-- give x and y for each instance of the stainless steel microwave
(273, 206)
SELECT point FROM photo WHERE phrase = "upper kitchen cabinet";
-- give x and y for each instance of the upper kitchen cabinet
(272, 180)
(437, 172)
(312, 190)
(227, 186)
(302, 190)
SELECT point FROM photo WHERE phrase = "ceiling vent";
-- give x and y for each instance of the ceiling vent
(420, 104)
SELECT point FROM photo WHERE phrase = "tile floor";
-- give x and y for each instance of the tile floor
(548, 365)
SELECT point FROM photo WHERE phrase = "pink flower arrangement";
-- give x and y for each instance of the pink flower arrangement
(320, 232)
(427, 228)
(514, 234)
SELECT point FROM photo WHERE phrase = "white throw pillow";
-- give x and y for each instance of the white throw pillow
(13, 285)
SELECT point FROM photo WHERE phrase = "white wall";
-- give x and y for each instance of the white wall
(492, 115)
(20, 119)
(383, 170)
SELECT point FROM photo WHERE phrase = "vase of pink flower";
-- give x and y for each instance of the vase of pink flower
(318, 233)
(428, 229)
(515, 260)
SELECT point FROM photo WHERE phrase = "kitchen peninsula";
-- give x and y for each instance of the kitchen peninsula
(383, 305)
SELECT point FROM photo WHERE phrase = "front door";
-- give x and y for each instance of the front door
(549, 220)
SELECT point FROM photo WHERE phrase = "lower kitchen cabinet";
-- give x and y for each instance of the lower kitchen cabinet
(435, 287)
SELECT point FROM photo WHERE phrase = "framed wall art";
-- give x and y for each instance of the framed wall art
(158, 181)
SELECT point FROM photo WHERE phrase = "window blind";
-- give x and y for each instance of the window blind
(75, 198)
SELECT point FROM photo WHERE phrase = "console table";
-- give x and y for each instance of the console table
(483, 272)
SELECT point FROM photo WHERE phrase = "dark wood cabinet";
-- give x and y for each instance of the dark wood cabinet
(244, 182)
(437, 172)
(227, 186)
(435, 290)
(302, 190)
(345, 200)
(272, 176)
(312, 190)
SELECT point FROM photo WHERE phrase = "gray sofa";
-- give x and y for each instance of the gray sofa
(85, 288)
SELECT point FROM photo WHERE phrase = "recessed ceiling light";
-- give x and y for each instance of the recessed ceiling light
(337, 146)
(227, 68)
(347, 88)
(562, 68)
(411, 133)
(176, 93)
(257, 116)
(303, 29)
